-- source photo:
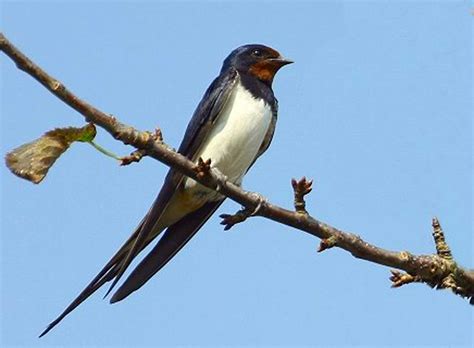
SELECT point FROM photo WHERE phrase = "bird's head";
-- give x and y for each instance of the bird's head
(259, 61)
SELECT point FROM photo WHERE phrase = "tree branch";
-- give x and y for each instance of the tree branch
(437, 270)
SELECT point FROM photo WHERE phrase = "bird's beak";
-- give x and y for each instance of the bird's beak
(281, 61)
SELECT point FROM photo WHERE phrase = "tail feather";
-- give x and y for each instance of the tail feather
(147, 230)
(175, 237)
(92, 287)
(107, 273)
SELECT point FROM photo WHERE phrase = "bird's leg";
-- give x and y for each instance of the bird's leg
(221, 180)
(261, 201)
(229, 220)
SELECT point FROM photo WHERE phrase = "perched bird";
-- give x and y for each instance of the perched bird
(233, 125)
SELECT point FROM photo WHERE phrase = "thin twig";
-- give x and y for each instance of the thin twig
(104, 151)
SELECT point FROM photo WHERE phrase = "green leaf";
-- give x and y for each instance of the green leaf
(32, 161)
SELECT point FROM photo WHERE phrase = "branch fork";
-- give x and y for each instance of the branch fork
(137, 155)
(438, 271)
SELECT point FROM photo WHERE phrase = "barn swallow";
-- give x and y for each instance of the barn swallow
(233, 125)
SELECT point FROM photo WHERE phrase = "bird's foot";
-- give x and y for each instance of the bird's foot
(229, 220)
(243, 214)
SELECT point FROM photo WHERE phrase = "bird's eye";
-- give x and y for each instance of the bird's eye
(257, 53)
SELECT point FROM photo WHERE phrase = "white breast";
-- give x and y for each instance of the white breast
(237, 135)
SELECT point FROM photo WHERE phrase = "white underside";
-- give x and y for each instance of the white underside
(236, 138)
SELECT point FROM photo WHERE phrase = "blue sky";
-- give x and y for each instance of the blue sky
(377, 110)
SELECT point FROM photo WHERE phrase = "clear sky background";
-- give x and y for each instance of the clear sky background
(377, 110)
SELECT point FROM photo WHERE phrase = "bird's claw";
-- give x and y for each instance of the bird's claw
(261, 201)
(229, 220)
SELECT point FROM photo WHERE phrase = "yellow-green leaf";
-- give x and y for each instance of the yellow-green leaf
(32, 161)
